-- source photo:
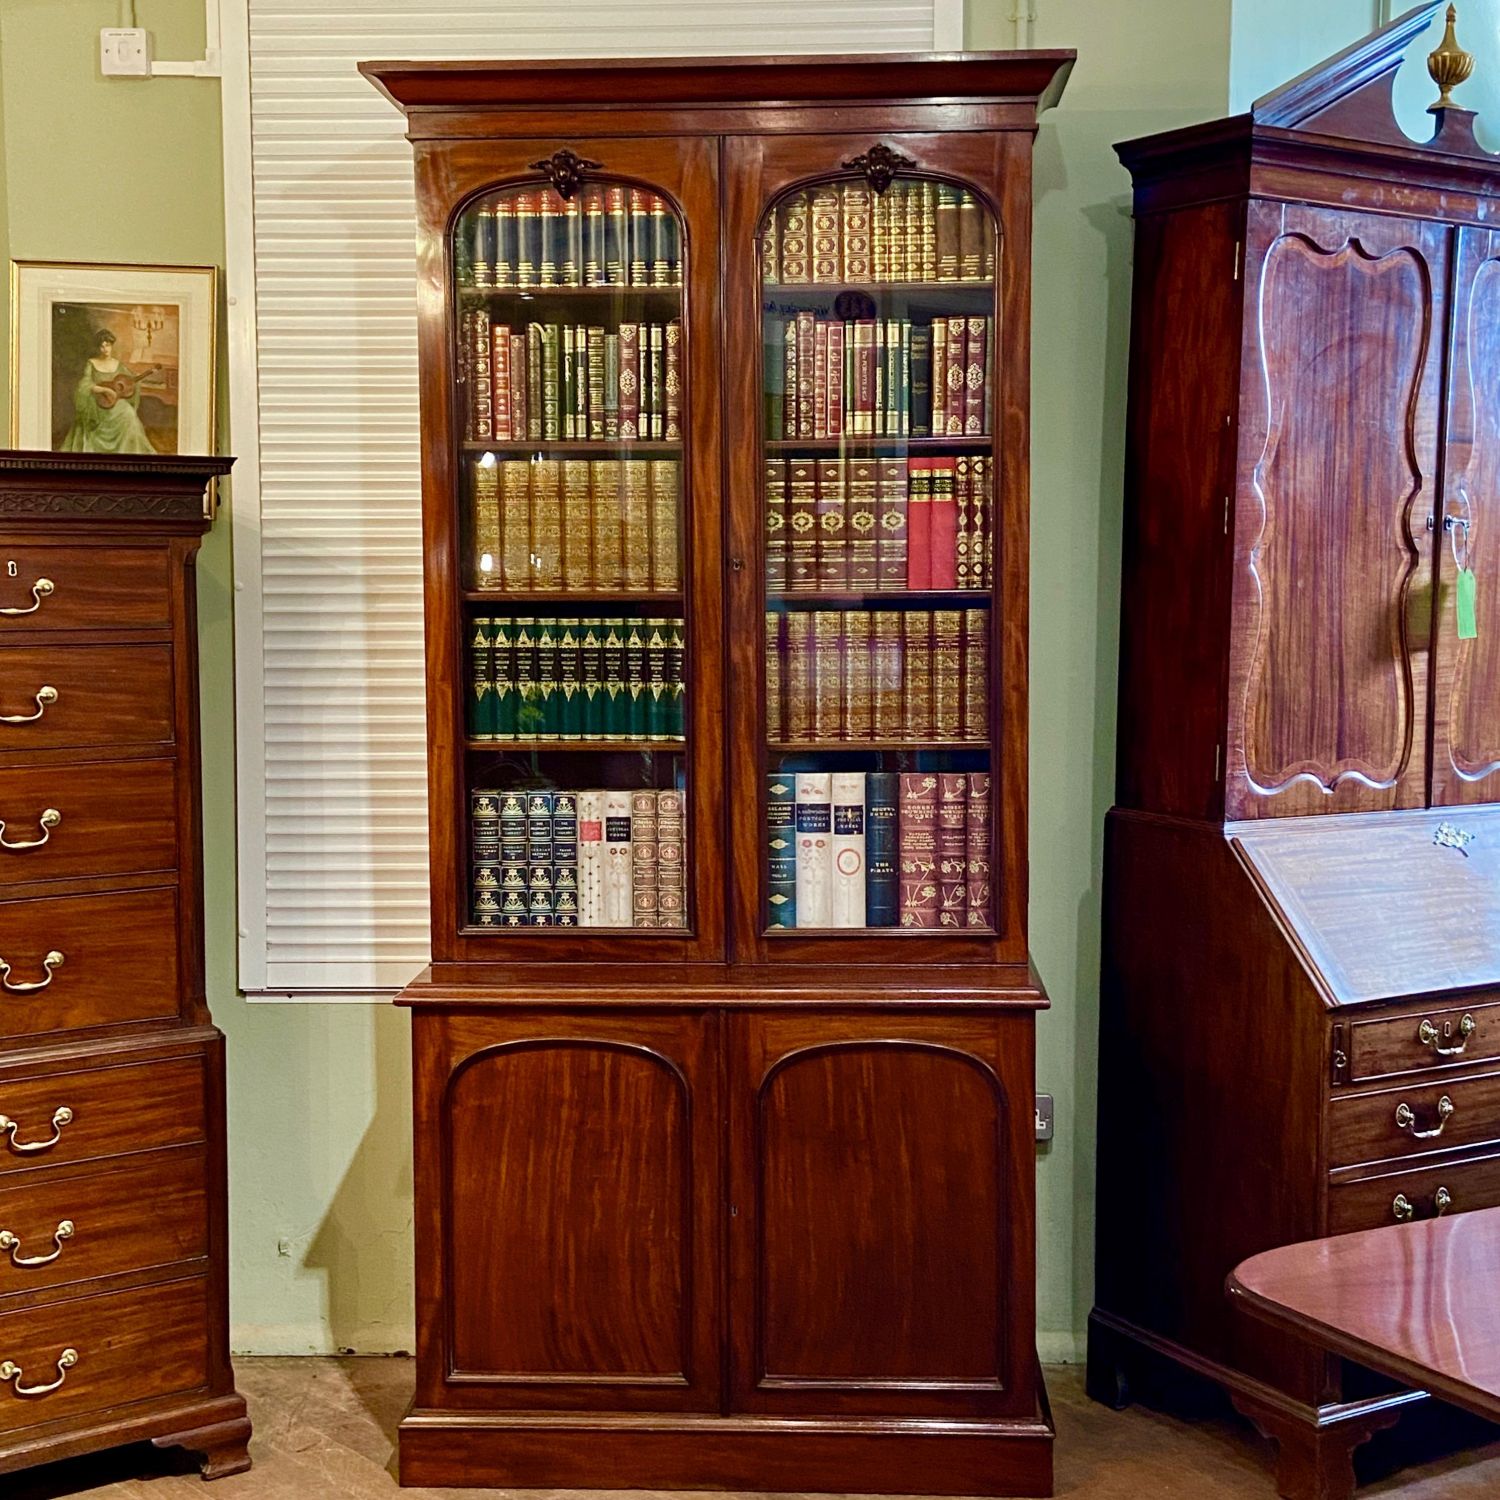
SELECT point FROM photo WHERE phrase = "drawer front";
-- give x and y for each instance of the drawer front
(83, 588)
(1448, 1037)
(95, 818)
(95, 960)
(1421, 1115)
(72, 697)
(102, 1351)
(147, 1211)
(85, 1114)
(1398, 1197)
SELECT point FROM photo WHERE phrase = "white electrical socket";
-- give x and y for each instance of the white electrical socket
(125, 52)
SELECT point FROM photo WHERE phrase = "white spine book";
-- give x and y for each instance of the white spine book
(619, 886)
(591, 859)
(814, 850)
(848, 798)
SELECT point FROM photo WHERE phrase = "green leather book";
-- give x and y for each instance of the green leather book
(549, 696)
(480, 720)
(569, 680)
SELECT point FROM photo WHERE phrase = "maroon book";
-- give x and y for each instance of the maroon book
(630, 380)
(979, 838)
(976, 386)
(953, 379)
(917, 834)
(942, 523)
(953, 849)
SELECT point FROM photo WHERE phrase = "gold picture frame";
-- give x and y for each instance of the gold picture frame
(113, 359)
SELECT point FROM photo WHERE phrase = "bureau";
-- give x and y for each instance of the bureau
(113, 1235)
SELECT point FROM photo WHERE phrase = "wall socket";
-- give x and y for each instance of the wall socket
(1044, 1117)
(125, 52)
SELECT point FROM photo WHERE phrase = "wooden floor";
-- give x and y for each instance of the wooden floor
(325, 1430)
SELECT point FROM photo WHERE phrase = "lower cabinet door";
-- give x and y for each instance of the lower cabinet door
(881, 1212)
(569, 1209)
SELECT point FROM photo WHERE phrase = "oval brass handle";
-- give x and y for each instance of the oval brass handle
(53, 961)
(12, 1243)
(1429, 1036)
(1406, 1119)
(1402, 1208)
(1442, 1201)
(44, 698)
(8, 1127)
(11, 1371)
(39, 591)
(49, 820)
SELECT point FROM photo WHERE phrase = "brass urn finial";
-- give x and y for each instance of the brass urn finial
(1449, 66)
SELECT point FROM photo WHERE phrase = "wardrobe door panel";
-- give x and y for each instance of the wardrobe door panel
(1340, 394)
(1466, 652)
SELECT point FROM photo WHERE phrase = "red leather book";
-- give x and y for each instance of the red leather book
(500, 379)
(858, 720)
(672, 430)
(979, 838)
(835, 402)
(953, 849)
(983, 561)
(630, 381)
(917, 842)
(947, 674)
(820, 380)
(916, 674)
(519, 415)
(807, 375)
(976, 385)
(943, 523)
(776, 527)
(481, 388)
(828, 674)
(886, 712)
(919, 524)
(953, 379)
(963, 496)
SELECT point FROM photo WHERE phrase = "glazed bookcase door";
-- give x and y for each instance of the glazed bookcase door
(875, 533)
(584, 555)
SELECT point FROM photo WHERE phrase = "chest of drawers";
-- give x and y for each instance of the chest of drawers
(113, 1236)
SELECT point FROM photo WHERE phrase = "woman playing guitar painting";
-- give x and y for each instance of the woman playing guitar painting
(105, 402)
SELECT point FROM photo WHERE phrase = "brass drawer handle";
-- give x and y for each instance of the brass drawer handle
(49, 820)
(1429, 1036)
(11, 1371)
(1402, 1208)
(44, 698)
(12, 1243)
(1442, 1201)
(52, 962)
(1406, 1118)
(40, 590)
(9, 1127)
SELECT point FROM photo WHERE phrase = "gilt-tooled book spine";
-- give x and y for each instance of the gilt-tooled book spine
(505, 242)
(500, 380)
(781, 850)
(916, 685)
(548, 699)
(882, 874)
(577, 526)
(946, 233)
(546, 524)
(806, 373)
(539, 859)
(976, 666)
(672, 429)
(892, 378)
(528, 698)
(595, 360)
(880, 237)
(847, 902)
(520, 411)
(565, 859)
(903, 374)
(947, 674)
(591, 678)
(611, 386)
(776, 526)
(636, 525)
(658, 694)
(833, 539)
(528, 244)
(480, 270)
(570, 700)
(919, 524)
(481, 390)
(591, 858)
(665, 570)
(937, 415)
(605, 481)
(567, 397)
(484, 859)
(775, 719)
(593, 236)
(861, 525)
(953, 378)
(484, 525)
(855, 213)
(658, 397)
(671, 852)
(677, 677)
(615, 237)
(887, 648)
(795, 262)
(619, 903)
(929, 261)
(480, 718)
(920, 402)
(828, 676)
(914, 231)
(820, 379)
(789, 378)
(798, 693)
(877, 415)
(661, 244)
(644, 867)
(515, 487)
(943, 525)
(858, 714)
(953, 849)
(864, 378)
(970, 238)
(616, 715)
(504, 676)
(976, 387)
(547, 217)
(917, 840)
(513, 863)
(536, 421)
(802, 519)
(896, 194)
(984, 513)
(630, 382)
(571, 268)
(980, 835)
(892, 518)
(964, 538)
(639, 238)
(825, 213)
(814, 848)
(551, 382)
(636, 699)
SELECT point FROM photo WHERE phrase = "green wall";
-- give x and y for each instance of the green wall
(320, 1171)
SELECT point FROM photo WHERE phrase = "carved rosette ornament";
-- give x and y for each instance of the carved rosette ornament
(879, 164)
(565, 169)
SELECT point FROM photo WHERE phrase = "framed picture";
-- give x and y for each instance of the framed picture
(112, 359)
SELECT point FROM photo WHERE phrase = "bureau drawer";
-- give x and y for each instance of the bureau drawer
(149, 1211)
(83, 588)
(94, 960)
(1445, 1037)
(67, 697)
(84, 1114)
(94, 818)
(102, 1351)
(1417, 1116)
(1396, 1197)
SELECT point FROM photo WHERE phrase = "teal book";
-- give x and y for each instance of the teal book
(658, 695)
(637, 700)
(676, 681)
(481, 717)
(539, 859)
(504, 678)
(549, 694)
(882, 856)
(781, 850)
(591, 678)
(569, 680)
(528, 704)
(615, 718)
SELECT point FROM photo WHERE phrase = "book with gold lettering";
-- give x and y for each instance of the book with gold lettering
(671, 848)
(814, 849)
(551, 391)
(855, 215)
(833, 540)
(834, 416)
(504, 676)
(503, 237)
(616, 238)
(828, 674)
(528, 694)
(484, 524)
(535, 416)
(480, 720)
(665, 568)
(880, 237)
(917, 841)
(549, 217)
(591, 678)
(618, 901)
(520, 412)
(919, 524)
(796, 265)
(546, 524)
(672, 412)
(661, 246)
(593, 236)
(636, 525)
(528, 238)
(640, 237)
(984, 512)
(892, 511)
(781, 849)
(657, 393)
(571, 703)
(630, 382)
(770, 247)
(970, 235)
(577, 526)
(864, 371)
(912, 210)
(515, 490)
(595, 361)
(606, 480)
(615, 718)
(797, 692)
(789, 379)
(570, 271)
(776, 526)
(847, 795)
(976, 386)
(481, 389)
(887, 657)
(953, 849)
(500, 379)
(945, 233)
(882, 883)
(954, 377)
(774, 647)
(861, 523)
(807, 374)
(965, 550)
(976, 669)
(802, 519)
(943, 525)
(859, 708)
(979, 836)
(947, 674)
(826, 249)
(916, 684)
(820, 380)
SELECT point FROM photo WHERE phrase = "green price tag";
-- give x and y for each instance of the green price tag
(1468, 620)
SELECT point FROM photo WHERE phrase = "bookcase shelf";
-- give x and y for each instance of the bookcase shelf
(585, 597)
(981, 290)
(590, 447)
(574, 747)
(611, 294)
(889, 447)
(881, 598)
